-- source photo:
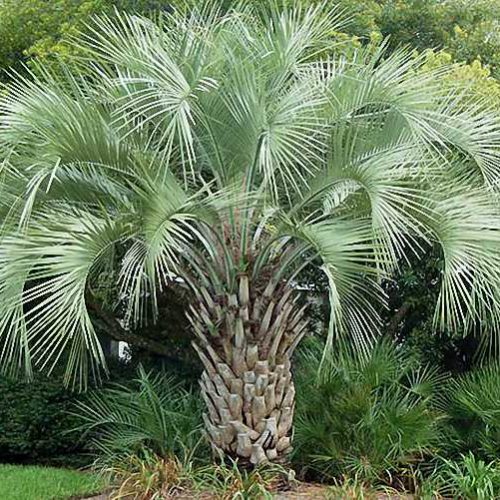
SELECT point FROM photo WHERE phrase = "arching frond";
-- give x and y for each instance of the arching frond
(468, 232)
(45, 273)
(347, 251)
(216, 148)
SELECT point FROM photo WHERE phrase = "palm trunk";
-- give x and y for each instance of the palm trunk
(245, 342)
(250, 413)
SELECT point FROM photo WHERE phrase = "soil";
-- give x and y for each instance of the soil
(301, 492)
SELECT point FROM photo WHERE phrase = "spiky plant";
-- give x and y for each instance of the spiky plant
(474, 409)
(154, 415)
(468, 477)
(366, 417)
(228, 152)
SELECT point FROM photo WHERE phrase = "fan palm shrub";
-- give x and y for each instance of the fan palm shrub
(225, 153)
(474, 409)
(366, 418)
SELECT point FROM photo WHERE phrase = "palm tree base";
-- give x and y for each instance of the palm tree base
(249, 412)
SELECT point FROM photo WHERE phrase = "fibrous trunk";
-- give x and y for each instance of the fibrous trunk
(245, 341)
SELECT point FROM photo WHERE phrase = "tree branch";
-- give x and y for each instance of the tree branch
(116, 332)
(394, 324)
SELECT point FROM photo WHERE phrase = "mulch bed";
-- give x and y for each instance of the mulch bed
(303, 491)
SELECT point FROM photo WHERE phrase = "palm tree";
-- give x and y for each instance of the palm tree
(228, 152)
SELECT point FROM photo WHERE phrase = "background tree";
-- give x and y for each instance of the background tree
(40, 29)
(215, 152)
(467, 30)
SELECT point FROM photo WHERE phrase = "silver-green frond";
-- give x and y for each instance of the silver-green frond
(202, 144)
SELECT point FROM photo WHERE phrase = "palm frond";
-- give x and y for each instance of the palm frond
(203, 145)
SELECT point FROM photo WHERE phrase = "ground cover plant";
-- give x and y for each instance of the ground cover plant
(46, 483)
(215, 152)
(369, 426)
(147, 442)
(467, 477)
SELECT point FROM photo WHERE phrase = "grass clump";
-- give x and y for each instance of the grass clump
(151, 477)
(229, 481)
(467, 477)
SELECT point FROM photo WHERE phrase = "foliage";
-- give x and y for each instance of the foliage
(153, 477)
(353, 489)
(231, 482)
(365, 418)
(164, 344)
(155, 414)
(35, 23)
(150, 476)
(415, 288)
(468, 478)
(417, 23)
(474, 409)
(36, 417)
(451, 351)
(475, 32)
(409, 316)
(37, 28)
(349, 192)
(476, 77)
(34, 422)
(41, 483)
(466, 30)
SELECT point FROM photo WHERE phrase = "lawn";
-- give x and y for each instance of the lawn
(45, 483)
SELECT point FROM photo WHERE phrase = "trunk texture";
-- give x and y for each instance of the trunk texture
(245, 342)
(249, 415)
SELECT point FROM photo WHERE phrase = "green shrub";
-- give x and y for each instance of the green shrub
(40, 28)
(365, 418)
(34, 421)
(474, 410)
(36, 417)
(153, 414)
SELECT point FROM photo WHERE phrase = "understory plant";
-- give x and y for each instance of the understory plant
(228, 481)
(151, 477)
(153, 416)
(148, 476)
(354, 489)
(366, 418)
(468, 478)
(224, 153)
(474, 410)
(35, 423)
